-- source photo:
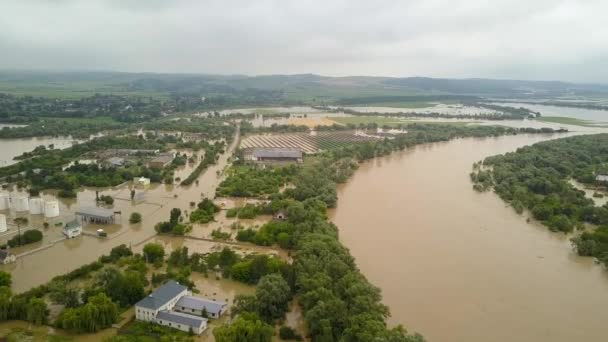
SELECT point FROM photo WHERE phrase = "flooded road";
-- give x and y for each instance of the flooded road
(457, 265)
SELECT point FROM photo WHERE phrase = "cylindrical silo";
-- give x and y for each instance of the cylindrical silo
(36, 206)
(3, 227)
(4, 201)
(51, 209)
(20, 203)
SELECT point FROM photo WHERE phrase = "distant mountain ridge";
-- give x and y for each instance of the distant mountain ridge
(303, 88)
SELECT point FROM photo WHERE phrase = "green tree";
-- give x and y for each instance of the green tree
(153, 252)
(247, 327)
(5, 279)
(63, 293)
(272, 295)
(174, 216)
(37, 311)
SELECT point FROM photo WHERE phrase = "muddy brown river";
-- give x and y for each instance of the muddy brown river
(457, 265)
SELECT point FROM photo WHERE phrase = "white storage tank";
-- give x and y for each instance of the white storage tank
(3, 226)
(51, 209)
(20, 203)
(36, 206)
(4, 201)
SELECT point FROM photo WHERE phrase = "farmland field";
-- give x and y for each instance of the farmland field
(306, 142)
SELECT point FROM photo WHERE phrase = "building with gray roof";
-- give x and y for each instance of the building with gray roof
(173, 305)
(95, 215)
(196, 306)
(277, 154)
(182, 321)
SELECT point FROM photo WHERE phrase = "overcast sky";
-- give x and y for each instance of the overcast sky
(517, 39)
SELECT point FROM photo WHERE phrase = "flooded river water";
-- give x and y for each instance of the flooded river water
(457, 265)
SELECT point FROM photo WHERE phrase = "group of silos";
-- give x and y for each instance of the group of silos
(20, 202)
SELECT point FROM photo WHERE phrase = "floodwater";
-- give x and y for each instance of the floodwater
(10, 148)
(457, 265)
(579, 113)
(153, 203)
(441, 108)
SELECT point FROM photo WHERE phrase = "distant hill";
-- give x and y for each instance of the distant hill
(283, 89)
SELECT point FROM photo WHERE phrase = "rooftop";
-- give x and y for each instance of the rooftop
(4, 253)
(197, 303)
(602, 178)
(180, 318)
(161, 295)
(72, 225)
(116, 161)
(163, 159)
(277, 153)
(95, 212)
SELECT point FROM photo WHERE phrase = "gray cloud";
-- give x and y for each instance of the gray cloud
(523, 39)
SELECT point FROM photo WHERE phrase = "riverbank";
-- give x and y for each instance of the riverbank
(457, 265)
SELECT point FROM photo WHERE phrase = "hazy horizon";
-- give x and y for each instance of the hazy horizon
(551, 40)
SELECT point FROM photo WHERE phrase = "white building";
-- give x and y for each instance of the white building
(141, 181)
(158, 308)
(72, 229)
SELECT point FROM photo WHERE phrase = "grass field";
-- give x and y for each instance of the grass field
(379, 120)
(394, 122)
(572, 121)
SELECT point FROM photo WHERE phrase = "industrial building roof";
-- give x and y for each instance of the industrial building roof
(162, 295)
(95, 212)
(277, 153)
(180, 318)
(196, 303)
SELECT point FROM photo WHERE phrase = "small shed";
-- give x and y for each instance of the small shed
(72, 229)
(95, 215)
(6, 257)
(115, 161)
(601, 179)
(141, 181)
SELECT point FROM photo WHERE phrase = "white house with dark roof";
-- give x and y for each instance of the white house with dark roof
(163, 307)
(196, 306)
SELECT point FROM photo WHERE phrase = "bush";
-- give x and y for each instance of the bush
(107, 199)
(135, 218)
(29, 236)
(153, 252)
(287, 333)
